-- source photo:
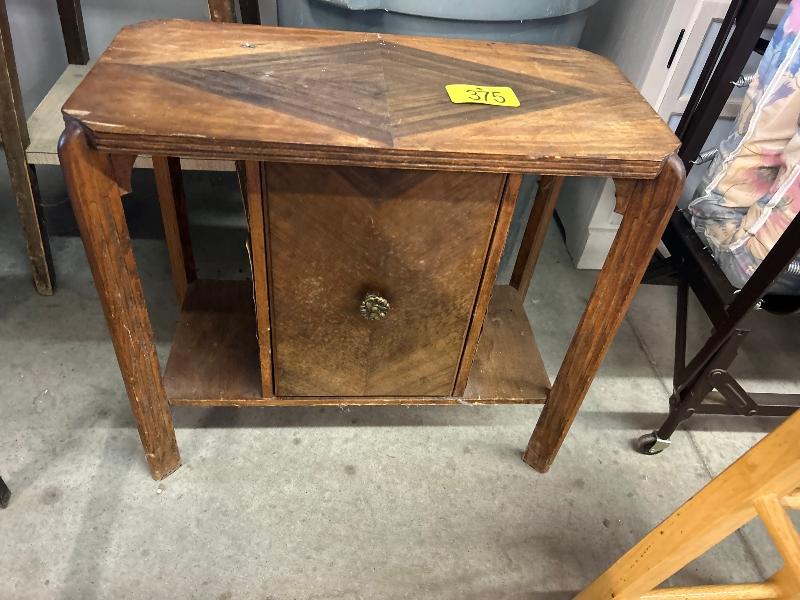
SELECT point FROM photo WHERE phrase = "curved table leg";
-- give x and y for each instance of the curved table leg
(647, 207)
(94, 190)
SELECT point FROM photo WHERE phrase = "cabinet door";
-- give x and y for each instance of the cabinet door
(419, 239)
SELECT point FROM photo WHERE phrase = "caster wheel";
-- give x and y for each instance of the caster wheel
(651, 444)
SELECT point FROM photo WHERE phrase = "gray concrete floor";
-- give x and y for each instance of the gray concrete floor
(373, 502)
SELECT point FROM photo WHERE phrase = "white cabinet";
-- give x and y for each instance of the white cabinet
(661, 45)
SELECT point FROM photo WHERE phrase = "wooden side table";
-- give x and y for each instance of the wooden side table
(377, 209)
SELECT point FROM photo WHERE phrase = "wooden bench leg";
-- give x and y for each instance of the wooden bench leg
(535, 231)
(14, 132)
(172, 199)
(95, 194)
(647, 208)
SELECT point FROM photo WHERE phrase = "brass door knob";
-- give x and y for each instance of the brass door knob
(374, 307)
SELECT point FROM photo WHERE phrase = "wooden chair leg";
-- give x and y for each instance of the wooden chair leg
(69, 11)
(650, 207)
(535, 231)
(95, 195)
(222, 10)
(14, 132)
(172, 199)
(760, 482)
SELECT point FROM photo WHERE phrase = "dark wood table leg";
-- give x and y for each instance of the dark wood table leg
(172, 199)
(95, 194)
(535, 231)
(14, 133)
(647, 206)
(222, 10)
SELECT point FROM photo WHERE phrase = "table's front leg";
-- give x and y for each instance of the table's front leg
(647, 209)
(95, 194)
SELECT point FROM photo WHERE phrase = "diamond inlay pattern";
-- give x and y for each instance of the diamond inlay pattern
(377, 89)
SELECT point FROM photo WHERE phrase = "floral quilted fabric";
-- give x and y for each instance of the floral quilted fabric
(752, 190)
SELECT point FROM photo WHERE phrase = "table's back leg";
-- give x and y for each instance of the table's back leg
(535, 231)
(222, 10)
(172, 199)
(96, 202)
(647, 211)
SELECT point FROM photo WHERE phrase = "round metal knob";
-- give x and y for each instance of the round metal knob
(374, 307)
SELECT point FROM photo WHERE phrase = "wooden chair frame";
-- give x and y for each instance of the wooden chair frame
(763, 482)
(22, 155)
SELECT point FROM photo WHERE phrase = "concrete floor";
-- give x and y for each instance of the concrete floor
(282, 503)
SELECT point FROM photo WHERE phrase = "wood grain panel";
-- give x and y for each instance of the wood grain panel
(364, 99)
(417, 238)
(215, 352)
(508, 368)
(508, 364)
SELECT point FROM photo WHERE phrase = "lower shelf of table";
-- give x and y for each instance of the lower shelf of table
(214, 358)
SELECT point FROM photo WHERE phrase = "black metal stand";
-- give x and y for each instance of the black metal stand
(704, 385)
(5, 494)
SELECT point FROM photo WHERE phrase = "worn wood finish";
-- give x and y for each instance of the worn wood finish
(14, 134)
(214, 359)
(254, 187)
(375, 182)
(172, 199)
(98, 210)
(215, 350)
(647, 213)
(752, 485)
(507, 202)
(535, 231)
(222, 10)
(419, 239)
(46, 124)
(69, 11)
(507, 363)
(385, 103)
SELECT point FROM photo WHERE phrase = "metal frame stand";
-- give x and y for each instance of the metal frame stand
(705, 385)
(5, 494)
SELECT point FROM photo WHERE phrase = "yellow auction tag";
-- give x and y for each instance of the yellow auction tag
(461, 93)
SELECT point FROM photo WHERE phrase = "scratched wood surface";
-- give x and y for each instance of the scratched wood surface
(417, 238)
(188, 88)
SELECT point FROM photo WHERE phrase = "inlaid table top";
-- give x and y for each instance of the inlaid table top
(198, 89)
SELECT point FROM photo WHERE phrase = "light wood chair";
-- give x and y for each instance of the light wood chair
(33, 142)
(764, 482)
